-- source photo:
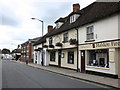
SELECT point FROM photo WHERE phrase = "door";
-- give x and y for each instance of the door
(59, 58)
(83, 61)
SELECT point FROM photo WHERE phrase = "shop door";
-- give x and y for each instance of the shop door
(59, 58)
(83, 61)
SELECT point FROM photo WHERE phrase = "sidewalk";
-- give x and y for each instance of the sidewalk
(83, 76)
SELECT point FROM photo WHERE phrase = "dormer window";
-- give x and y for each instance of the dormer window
(58, 25)
(59, 22)
(74, 17)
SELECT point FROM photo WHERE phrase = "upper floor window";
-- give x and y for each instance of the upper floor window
(74, 17)
(57, 25)
(50, 41)
(90, 33)
(65, 37)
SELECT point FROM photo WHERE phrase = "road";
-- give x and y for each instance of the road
(16, 75)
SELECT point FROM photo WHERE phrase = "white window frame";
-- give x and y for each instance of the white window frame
(90, 33)
(65, 37)
(72, 19)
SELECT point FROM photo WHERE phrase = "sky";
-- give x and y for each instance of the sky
(16, 25)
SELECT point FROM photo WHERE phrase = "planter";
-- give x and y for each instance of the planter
(36, 49)
(45, 46)
(51, 46)
(58, 44)
(73, 41)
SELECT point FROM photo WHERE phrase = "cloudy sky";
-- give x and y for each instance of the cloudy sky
(16, 25)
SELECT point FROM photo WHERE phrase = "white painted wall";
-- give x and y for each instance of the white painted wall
(106, 29)
(38, 54)
(46, 57)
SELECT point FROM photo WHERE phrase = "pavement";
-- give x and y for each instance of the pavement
(111, 82)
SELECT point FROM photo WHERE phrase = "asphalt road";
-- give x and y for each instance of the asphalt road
(16, 75)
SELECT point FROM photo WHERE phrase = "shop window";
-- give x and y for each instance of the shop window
(52, 55)
(98, 58)
(71, 57)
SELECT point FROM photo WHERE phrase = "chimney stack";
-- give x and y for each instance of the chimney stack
(50, 28)
(76, 7)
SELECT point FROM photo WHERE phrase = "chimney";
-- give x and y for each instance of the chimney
(50, 28)
(76, 7)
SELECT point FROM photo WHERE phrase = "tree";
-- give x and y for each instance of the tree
(5, 51)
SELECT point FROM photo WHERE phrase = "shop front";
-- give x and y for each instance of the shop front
(101, 57)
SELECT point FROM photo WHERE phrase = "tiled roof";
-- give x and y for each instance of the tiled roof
(61, 20)
(92, 13)
(40, 40)
(32, 40)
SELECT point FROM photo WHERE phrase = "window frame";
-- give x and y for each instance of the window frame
(52, 56)
(69, 55)
(95, 57)
(50, 41)
(65, 37)
(90, 33)
(72, 19)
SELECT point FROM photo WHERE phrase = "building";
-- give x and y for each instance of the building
(62, 41)
(27, 50)
(99, 41)
(16, 54)
(87, 39)
(41, 50)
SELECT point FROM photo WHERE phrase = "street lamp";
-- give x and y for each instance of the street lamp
(42, 34)
(40, 21)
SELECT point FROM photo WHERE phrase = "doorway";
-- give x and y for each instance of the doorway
(83, 61)
(59, 58)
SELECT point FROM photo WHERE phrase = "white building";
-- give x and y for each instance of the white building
(41, 52)
(99, 41)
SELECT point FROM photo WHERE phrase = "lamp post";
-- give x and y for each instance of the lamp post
(40, 21)
(42, 33)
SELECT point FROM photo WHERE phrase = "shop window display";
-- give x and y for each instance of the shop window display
(98, 58)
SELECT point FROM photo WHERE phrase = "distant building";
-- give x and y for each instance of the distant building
(16, 54)
(27, 51)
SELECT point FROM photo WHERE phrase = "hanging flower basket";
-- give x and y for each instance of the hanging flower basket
(73, 41)
(36, 49)
(45, 46)
(59, 44)
(39, 49)
(51, 46)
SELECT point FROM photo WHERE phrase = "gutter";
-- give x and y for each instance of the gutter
(78, 69)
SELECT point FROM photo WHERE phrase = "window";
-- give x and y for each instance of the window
(72, 19)
(65, 37)
(98, 58)
(52, 55)
(71, 57)
(90, 33)
(50, 41)
(57, 25)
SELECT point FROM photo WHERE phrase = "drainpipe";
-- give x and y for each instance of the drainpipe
(78, 69)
